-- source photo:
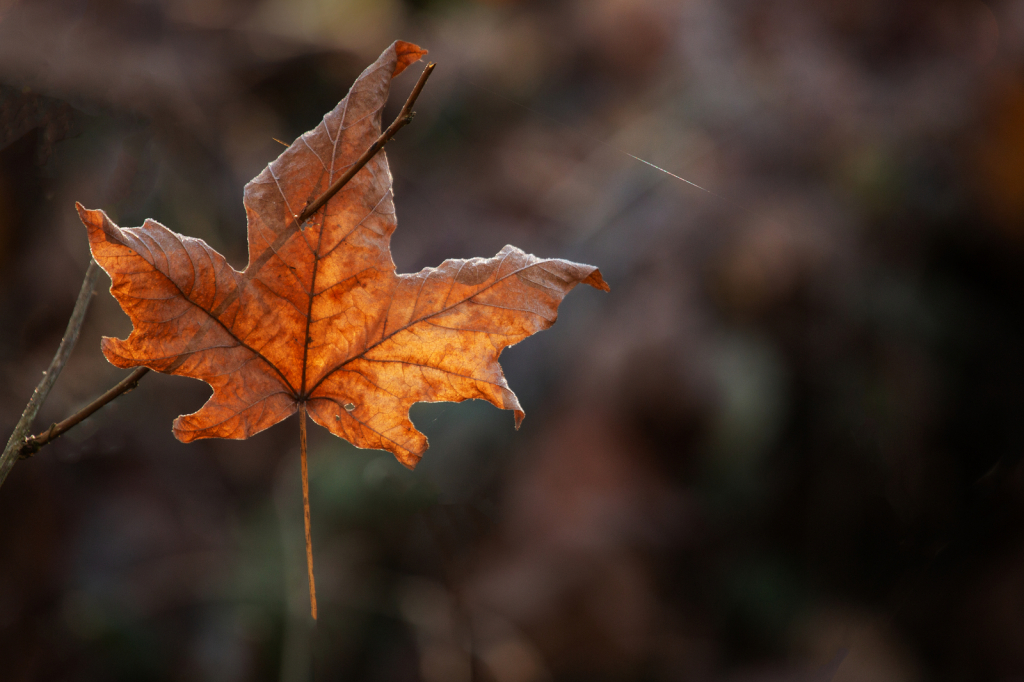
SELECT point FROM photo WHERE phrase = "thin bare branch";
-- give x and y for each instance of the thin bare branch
(67, 344)
(404, 117)
(31, 445)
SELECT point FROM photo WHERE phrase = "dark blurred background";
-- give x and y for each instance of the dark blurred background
(786, 446)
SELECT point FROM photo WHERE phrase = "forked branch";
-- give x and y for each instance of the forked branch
(30, 446)
(16, 442)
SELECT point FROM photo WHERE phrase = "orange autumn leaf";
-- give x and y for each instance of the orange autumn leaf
(320, 317)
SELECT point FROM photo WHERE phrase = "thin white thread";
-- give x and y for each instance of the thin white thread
(589, 136)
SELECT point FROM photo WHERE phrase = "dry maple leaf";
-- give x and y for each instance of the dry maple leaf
(319, 320)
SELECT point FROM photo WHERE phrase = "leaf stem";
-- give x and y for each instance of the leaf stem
(305, 508)
(404, 117)
(15, 444)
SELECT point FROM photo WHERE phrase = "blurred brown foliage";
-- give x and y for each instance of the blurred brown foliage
(786, 447)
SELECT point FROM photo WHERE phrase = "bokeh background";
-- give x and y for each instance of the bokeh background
(786, 446)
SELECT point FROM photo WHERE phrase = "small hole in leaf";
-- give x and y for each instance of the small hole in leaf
(349, 407)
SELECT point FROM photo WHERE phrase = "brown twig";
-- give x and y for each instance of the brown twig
(67, 344)
(305, 508)
(19, 446)
(31, 445)
(404, 117)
